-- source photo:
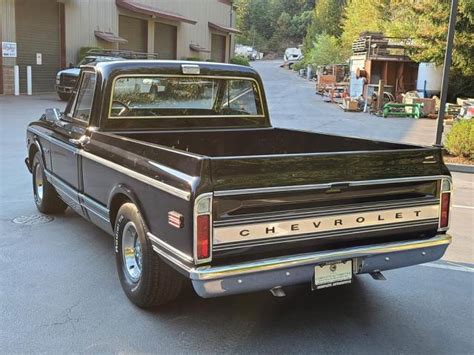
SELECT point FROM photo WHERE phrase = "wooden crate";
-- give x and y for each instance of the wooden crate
(349, 105)
(429, 105)
(324, 81)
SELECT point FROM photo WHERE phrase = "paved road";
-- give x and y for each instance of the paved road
(59, 291)
(293, 103)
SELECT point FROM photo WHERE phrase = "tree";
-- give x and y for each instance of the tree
(327, 17)
(273, 25)
(430, 30)
(426, 23)
(361, 16)
(326, 50)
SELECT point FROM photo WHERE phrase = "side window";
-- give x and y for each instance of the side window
(82, 110)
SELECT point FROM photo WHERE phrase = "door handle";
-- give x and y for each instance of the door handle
(81, 141)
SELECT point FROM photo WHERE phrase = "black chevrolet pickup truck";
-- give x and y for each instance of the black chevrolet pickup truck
(179, 161)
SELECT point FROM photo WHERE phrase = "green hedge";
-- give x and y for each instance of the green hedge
(298, 65)
(192, 59)
(460, 139)
(240, 60)
(83, 52)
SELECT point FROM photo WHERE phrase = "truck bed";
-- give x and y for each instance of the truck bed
(258, 142)
(272, 174)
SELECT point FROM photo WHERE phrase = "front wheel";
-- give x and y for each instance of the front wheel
(45, 195)
(145, 278)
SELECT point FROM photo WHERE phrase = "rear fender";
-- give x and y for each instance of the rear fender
(123, 189)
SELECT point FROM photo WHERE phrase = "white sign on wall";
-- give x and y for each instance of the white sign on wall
(39, 59)
(9, 49)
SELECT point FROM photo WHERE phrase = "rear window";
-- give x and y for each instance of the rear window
(154, 97)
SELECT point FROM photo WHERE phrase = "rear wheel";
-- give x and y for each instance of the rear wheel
(146, 279)
(46, 197)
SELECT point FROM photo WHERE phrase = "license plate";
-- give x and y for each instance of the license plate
(334, 274)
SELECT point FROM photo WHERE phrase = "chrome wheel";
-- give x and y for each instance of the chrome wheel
(39, 186)
(132, 252)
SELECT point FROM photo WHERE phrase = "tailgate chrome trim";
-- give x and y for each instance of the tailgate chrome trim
(285, 262)
(291, 188)
(324, 235)
(317, 225)
(324, 211)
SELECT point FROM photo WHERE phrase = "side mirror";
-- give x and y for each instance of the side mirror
(52, 114)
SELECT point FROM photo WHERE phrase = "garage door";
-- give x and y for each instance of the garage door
(165, 41)
(135, 31)
(37, 34)
(218, 48)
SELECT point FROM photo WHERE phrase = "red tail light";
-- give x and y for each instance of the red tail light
(444, 215)
(203, 236)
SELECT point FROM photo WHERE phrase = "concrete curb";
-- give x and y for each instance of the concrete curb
(461, 168)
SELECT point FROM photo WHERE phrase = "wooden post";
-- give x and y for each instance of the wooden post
(380, 92)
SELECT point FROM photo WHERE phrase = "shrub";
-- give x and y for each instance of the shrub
(326, 50)
(240, 60)
(193, 59)
(460, 139)
(83, 52)
(298, 65)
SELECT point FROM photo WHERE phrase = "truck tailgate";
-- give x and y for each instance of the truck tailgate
(300, 169)
(295, 203)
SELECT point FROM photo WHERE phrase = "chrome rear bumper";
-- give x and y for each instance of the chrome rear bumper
(265, 274)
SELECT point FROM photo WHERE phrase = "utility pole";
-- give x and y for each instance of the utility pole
(446, 66)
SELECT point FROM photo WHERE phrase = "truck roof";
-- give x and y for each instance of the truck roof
(111, 69)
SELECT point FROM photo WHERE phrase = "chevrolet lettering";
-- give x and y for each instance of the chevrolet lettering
(179, 162)
(321, 224)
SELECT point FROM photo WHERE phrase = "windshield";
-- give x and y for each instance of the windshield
(147, 97)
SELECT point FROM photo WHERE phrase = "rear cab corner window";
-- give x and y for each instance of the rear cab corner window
(82, 107)
(139, 97)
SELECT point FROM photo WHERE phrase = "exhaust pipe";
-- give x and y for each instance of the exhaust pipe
(277, 291)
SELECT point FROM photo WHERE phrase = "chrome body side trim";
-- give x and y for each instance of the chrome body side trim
(68, 194)
(158, 243)
(96, 208)
(148, 180)
(325, 186)
(287, 262)
(190, 180)
(178, 264)
(53, 140)
(143, 178)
